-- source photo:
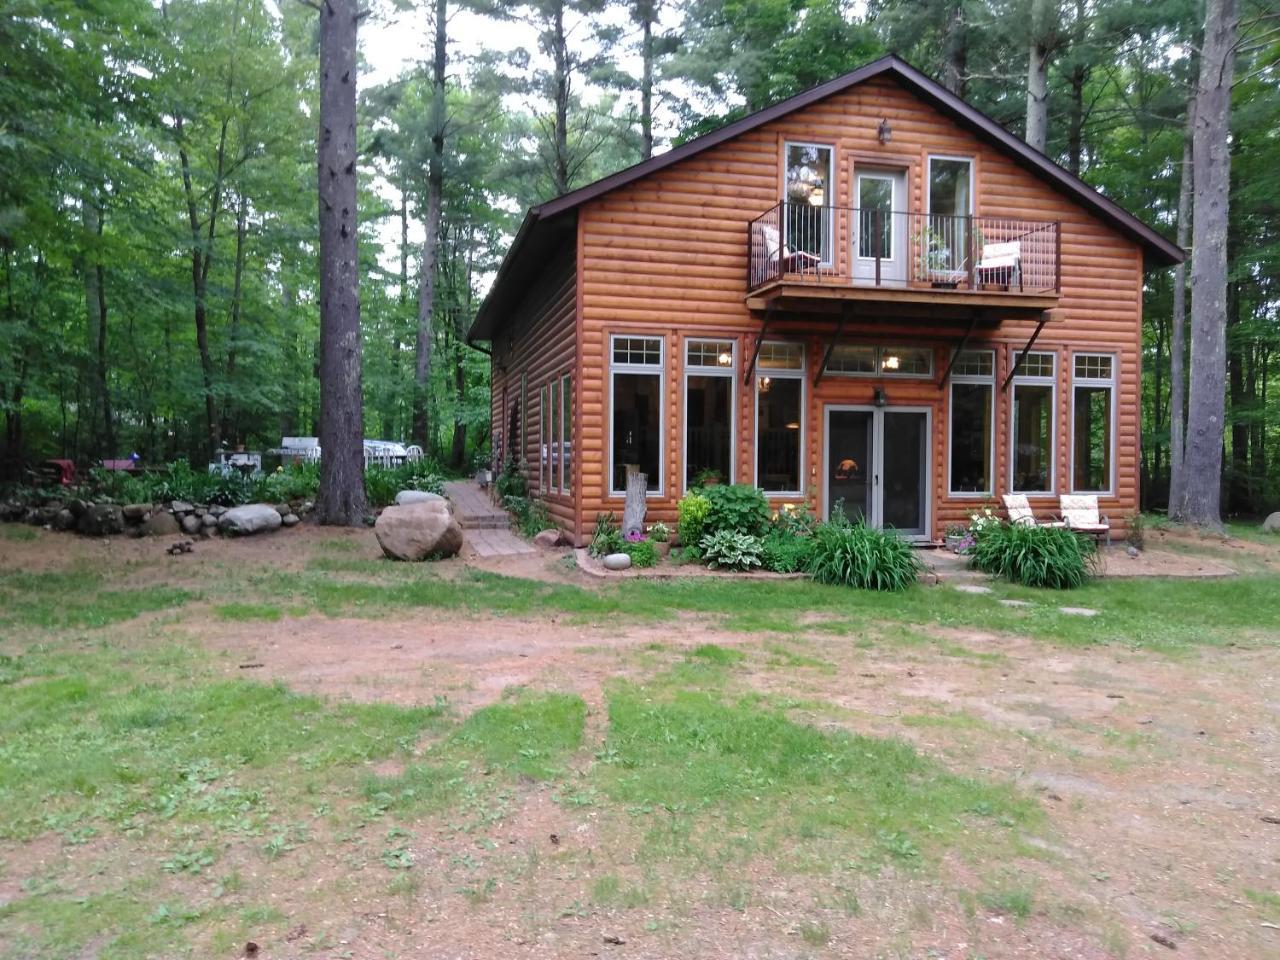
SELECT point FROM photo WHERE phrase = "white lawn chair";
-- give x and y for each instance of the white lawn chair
(789, 261)
(1080, 513)
(1020, 513)
(1001, 263)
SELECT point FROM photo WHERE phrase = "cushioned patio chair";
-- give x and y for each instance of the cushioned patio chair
(1019, 509)
(1001, 263)
(1080, 513)
(789, 261)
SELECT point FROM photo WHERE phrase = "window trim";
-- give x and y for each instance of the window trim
(928, 181)
(1035, 381)
(566, 470)
(1112, 384)
(659, 368)
(544, 468)
(699, 370)
(879, 372)
(832, 192)
(987, 381)
(800, 373)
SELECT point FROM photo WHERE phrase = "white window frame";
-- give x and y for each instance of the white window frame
(1035, 381)
(553, 435)
(928, 180)
(776, 373)
(877, 360)
(660, 368)
(829, 260)
(700, 370)
(544, 464)
(1112, 384)
(980, 380)
(566, 427)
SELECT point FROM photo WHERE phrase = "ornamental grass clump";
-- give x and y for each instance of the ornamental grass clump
(855, 555)
(1052, 557)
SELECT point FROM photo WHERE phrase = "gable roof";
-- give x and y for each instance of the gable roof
(1159, 251)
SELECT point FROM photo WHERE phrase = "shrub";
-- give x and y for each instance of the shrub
(530, 515)
(1034, 556)
(607, 537)
(795, 518)
(855, 555)
(510, 482)
(731, 550)
(641, 552)
(785, 552)
(659, 532)
(381, 484)
(738, 507)
(692, 510)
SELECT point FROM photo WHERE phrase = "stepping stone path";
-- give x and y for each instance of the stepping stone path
(1078, 611)
(972, 588)
(486, 526)
(1015, 603)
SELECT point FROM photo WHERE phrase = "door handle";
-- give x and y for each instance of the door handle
(877, 483)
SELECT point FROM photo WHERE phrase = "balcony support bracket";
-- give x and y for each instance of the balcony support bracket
(1045, 316)
(955, 354)
(831, 344)
(755, 353)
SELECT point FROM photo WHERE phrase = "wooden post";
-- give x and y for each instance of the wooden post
(634, 507)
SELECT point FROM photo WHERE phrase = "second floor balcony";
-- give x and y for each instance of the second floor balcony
(917, 256)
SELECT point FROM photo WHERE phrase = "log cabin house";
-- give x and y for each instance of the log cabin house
(870, 296)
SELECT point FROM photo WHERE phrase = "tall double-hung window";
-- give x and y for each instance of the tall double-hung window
(636, 375)
(1031, 459)
(972, 393)
(780, 375)
(1093, 388)
(709, 377)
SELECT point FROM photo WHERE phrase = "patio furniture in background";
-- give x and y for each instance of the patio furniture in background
(1080, 513)
(1001, 264)
(1019, 509)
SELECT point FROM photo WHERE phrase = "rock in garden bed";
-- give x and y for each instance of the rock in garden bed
(251, 518)
(416, 531)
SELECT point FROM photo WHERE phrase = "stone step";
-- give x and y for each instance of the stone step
(485, 523)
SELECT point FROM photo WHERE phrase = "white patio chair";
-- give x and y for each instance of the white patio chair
(1080, 513)
(1020, 513)
(789, 261)
(1001, 263)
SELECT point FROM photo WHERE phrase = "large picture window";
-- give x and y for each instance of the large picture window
(780, 418)
(1031, 461)
(972, 392)
(544, 441)
(809, 195)
(950, 206)
(709, 367)
(855, 360)
(635, 418)
(1092, 410)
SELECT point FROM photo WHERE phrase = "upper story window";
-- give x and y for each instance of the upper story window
(950, 186)
(853, 359)
(809, 193)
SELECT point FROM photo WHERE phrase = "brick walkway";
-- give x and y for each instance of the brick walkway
(487, 527)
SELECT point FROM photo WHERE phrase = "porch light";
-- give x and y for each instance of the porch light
(725, 359)
(881, 400)
(765, 383)
(890, 363)
(885, 132)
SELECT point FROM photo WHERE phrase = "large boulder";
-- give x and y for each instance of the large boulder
(416, 531)
(547, 539)
(405, 497)
(1271, 524)
(162, 523)
(136, 512)
(251, 518)
(191, 523)
(100, 520)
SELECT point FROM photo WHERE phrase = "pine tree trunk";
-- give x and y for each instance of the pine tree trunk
(1212, 161)
(341, 500)
(96, 309)
(1043, 21)
(646, 85)
(230, 420)
(1177, 345)
(431, 243)
(955, 67)
(560, 129)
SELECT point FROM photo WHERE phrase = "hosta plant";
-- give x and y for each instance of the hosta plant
(729, 550)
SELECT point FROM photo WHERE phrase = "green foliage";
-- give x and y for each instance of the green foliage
(1051, 557)
(530, 514)
(607, 538)
(510, 482)
(692, 512)
(659, 532)
(381, 484)
(641, 552)
(738, 507)
(859, 556)
(731, 550)
(785, 552)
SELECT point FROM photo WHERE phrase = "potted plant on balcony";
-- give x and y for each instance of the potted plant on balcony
(939, 265)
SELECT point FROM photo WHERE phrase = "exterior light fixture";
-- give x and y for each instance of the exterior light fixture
(793, 425)
(884, 132)
(890, 362)
(881, 400)
(725, 359)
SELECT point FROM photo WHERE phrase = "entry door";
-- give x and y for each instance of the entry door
(880, 225)
(877, 467)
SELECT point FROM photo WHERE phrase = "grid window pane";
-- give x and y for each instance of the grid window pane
(1037, 365)
(709, 353)
(778, 433)
(974, 363)
(781, 356)
(906, 360)
(1032, 438)
(643, 351)
(971, 437)
(848, 358)
(1093, 367)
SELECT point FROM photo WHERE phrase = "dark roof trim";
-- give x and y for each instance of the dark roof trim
(1160, 250)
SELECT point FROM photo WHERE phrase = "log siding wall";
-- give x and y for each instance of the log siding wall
(667, 255)
(539, 342)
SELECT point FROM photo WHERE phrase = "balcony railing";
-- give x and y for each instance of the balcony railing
(847, 245)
